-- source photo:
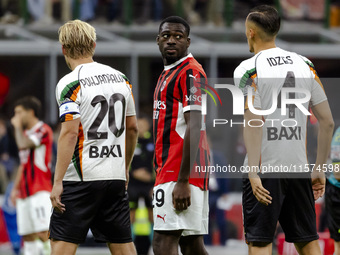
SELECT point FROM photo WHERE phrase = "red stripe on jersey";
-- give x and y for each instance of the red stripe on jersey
(34, 178)
(175, 93)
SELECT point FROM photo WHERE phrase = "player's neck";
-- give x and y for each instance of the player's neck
(32, 123)
(76, 62)
(264, 46)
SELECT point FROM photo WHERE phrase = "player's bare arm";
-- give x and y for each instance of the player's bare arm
(131, 141)
(66, 144)
(15, 189)
(23, 142)
(181, 197)
(326, 125)
(253, 140)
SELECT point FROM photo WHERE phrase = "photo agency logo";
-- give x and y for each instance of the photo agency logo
(284, 104)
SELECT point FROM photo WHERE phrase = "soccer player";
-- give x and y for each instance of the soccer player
(287, 198)
(32, 185)
(95, 147)
(180, 201)
(332, 196)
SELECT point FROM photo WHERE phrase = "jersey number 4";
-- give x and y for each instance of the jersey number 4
(288, 83)
(107, 107)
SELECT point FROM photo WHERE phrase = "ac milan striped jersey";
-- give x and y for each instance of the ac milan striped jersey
(178, 91)
(36, 161)
(102, 98)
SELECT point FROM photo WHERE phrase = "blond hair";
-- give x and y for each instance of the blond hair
(78, 38)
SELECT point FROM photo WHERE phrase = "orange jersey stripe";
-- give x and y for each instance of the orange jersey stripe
(75, 93)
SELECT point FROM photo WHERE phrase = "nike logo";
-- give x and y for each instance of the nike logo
(163, 218)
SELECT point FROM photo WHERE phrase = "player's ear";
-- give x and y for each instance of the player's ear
(94, 45)
(157, 39)
(188, 42)
(63, 50)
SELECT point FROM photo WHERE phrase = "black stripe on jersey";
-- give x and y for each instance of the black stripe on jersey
(180, 90)
(32, 163)
(169, 113)
(26, 183)
(163, 78)
(189, 83)
(76, 160)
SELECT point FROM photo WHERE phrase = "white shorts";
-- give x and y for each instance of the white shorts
(33, 213)
(193, 221)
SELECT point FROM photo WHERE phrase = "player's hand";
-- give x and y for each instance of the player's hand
(55, 197)
(318, 184)
(261, 194)
(13, 196)
(16, 121)
(181, 196)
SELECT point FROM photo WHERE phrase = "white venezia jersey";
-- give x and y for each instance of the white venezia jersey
(284, 136)
(102, 98)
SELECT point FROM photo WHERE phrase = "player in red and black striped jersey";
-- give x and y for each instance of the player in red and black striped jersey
(180, 193)
(32, 186)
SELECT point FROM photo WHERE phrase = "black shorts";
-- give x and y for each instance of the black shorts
(292, 205)
(102, 206)
(137, 191)
(332, 201)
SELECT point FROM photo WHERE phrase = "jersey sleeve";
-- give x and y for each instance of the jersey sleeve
(243, 79)
(318, 94)
(68, 98)
(130, 102)
(191, 83)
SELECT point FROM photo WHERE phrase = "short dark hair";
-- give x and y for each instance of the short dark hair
(30, 103)
(266, 17)
(175, 19)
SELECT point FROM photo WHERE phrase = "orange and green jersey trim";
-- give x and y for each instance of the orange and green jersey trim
(70, 91)
(77, 158)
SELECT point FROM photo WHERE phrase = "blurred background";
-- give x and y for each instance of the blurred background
(31, 63)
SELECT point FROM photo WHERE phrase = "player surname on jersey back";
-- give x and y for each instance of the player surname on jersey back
(101, 79)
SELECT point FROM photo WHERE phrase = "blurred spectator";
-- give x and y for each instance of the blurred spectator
(38, 9)
(9, 11)
(142, 179)
(8, 151)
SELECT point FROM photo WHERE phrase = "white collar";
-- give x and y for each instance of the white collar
(177, 62)
(35, 127)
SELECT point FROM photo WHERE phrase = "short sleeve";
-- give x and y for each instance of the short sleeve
(318, 94)
(244, 79)
(130, 102)
(68, 99)
(191, 83)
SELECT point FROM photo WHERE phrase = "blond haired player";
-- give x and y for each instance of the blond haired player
(97, 140)
(284, 197)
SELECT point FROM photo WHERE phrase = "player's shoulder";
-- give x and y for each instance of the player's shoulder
(246, 67)
(68, 80)
(193, 66)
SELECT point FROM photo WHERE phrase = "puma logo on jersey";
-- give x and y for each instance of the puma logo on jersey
(114, 151)
(191, 76)
(163, 218)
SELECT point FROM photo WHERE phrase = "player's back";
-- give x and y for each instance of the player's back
(104, 98)
(284, 133)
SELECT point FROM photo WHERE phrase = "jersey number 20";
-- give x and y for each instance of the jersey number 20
(107, 107)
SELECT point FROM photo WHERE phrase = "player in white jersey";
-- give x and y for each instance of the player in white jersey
(275, 139)
(95, 148)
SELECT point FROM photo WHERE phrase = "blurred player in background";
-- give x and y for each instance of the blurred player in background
(288, 198)
(95, 147)
(32, 185)
(142, 181)
(180, 201)
(332, 196)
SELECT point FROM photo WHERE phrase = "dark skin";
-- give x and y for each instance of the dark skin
(173, 42)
